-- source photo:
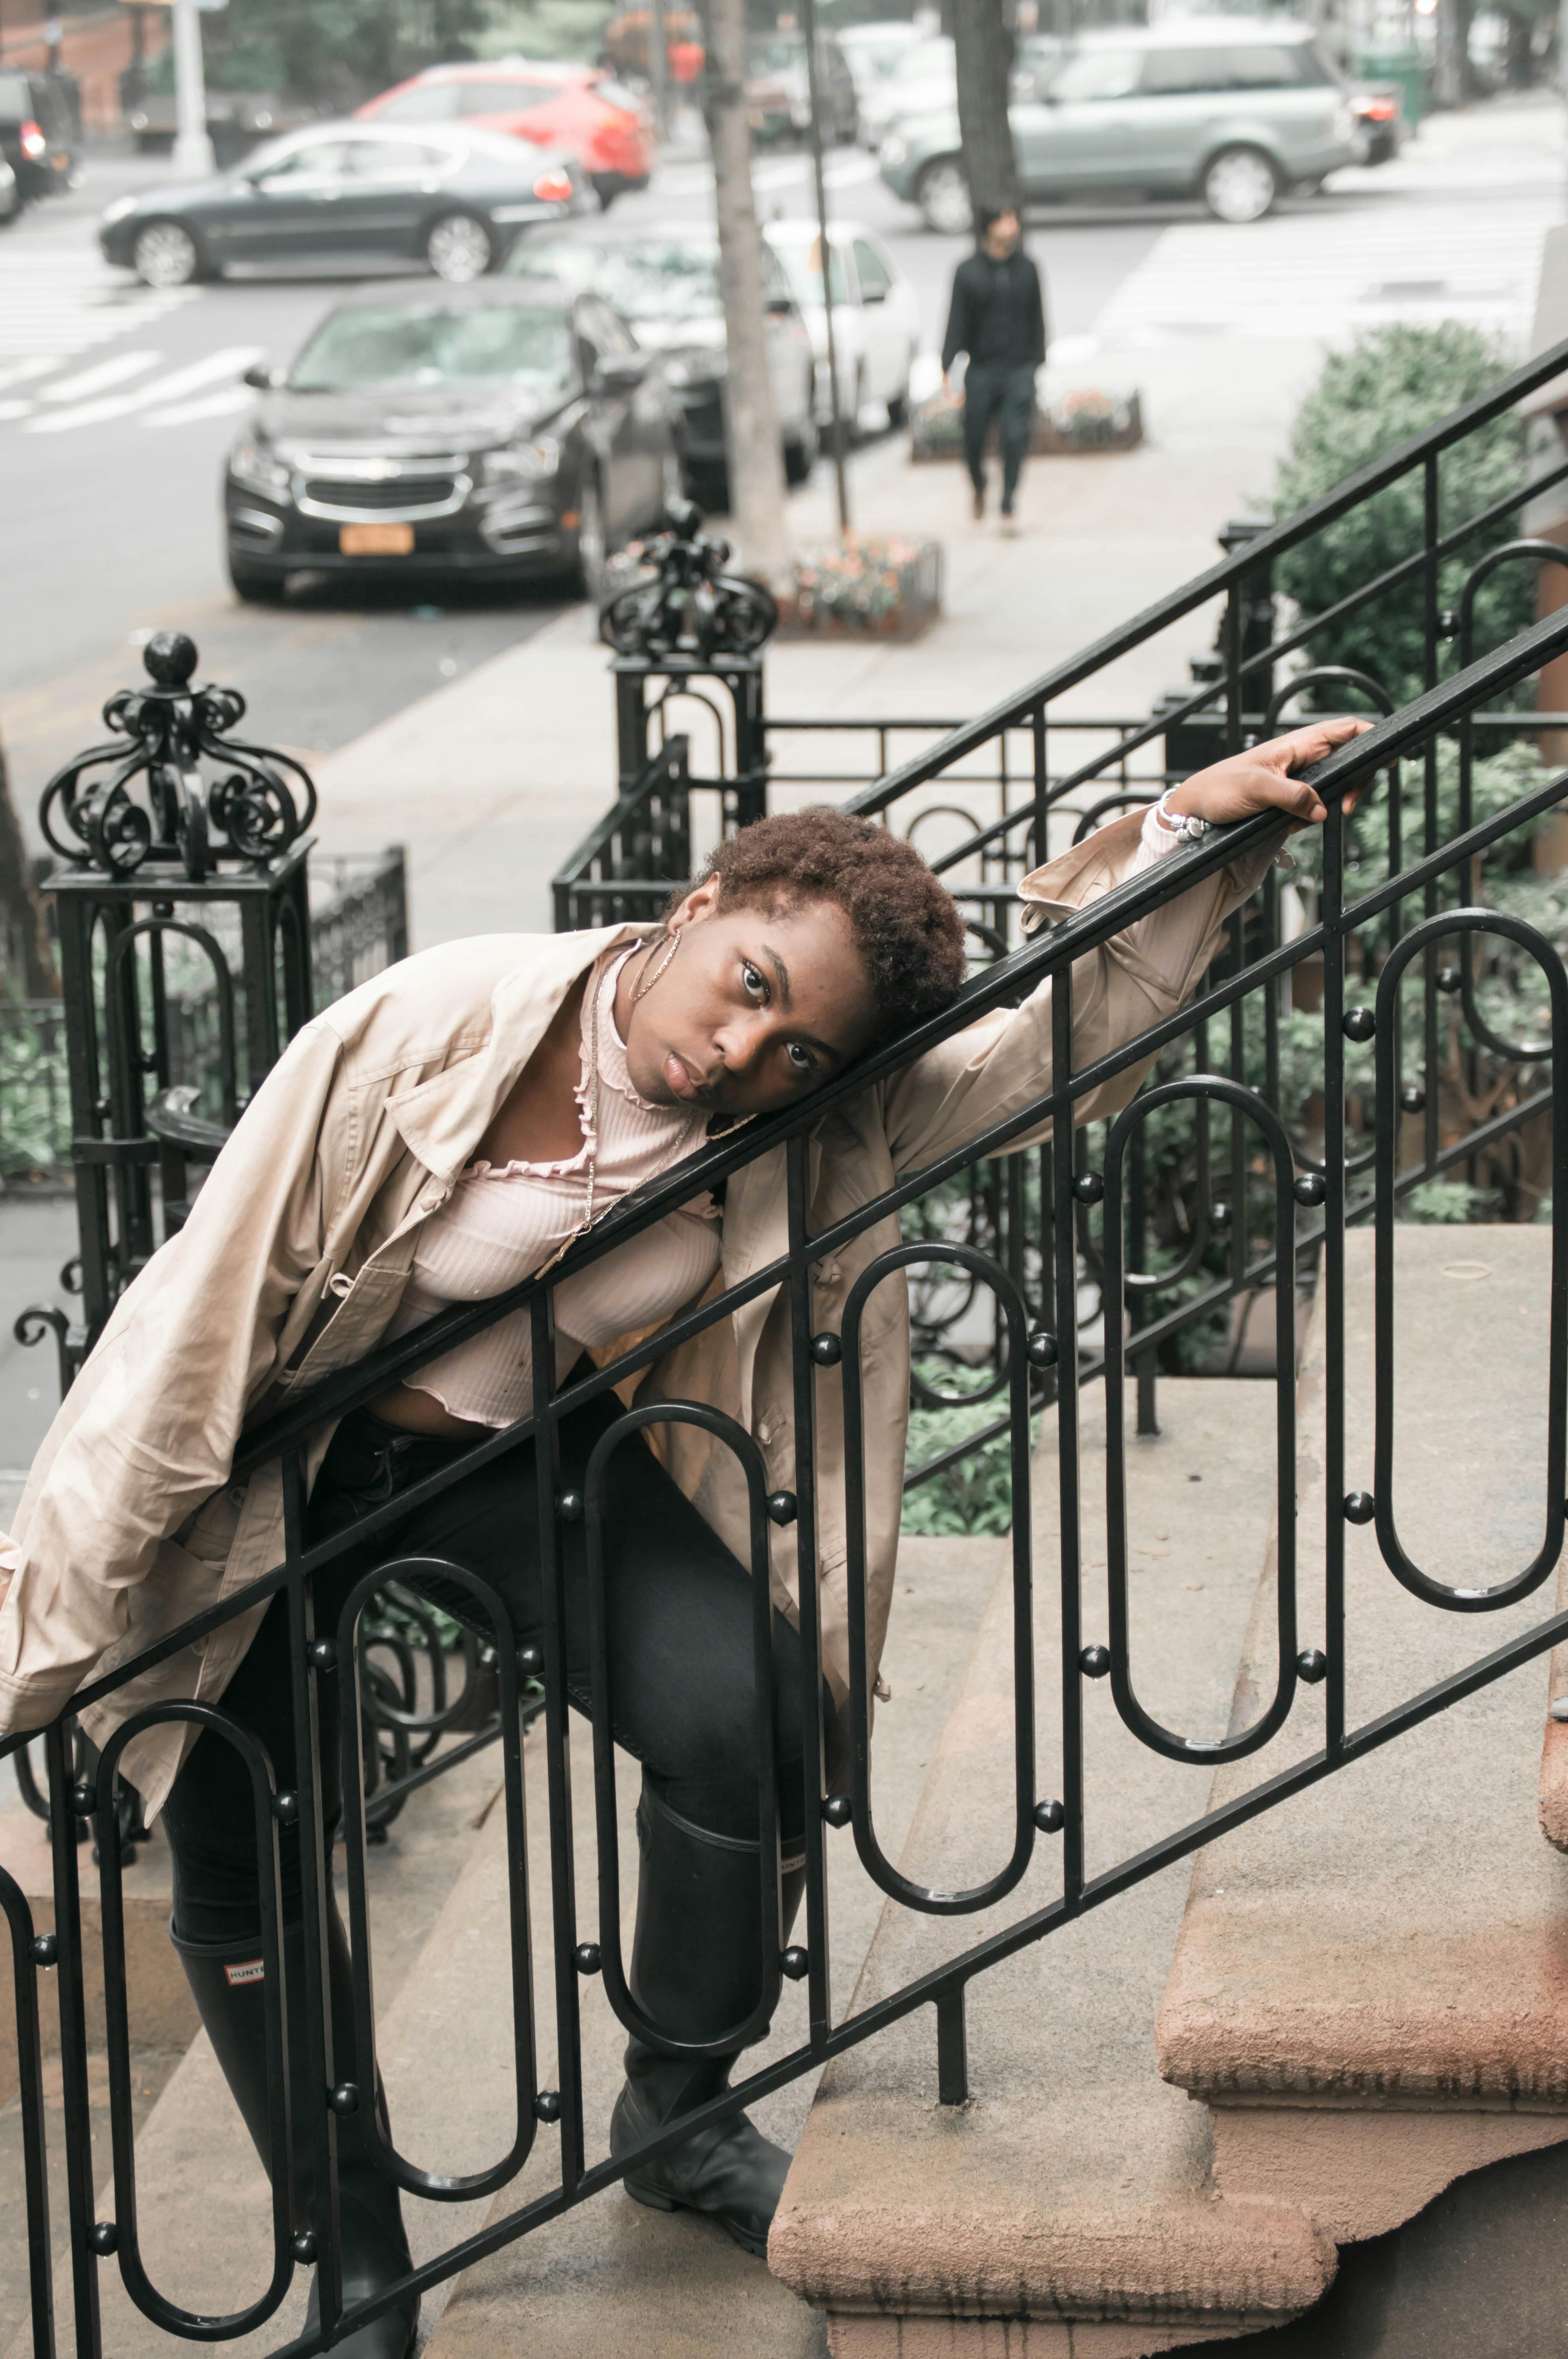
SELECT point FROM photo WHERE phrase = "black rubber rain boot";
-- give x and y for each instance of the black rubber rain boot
(695, 1970)
(229, 1987)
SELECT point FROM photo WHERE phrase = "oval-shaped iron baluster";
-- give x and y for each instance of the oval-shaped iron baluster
(1402, 1567)
(35, 2148)
(1142, 1724)
(926, 1899)
(193, 2325)
(734, 1437)
(1518, 1052)
(120, 1051)
(1324, 676)
(439, 2187)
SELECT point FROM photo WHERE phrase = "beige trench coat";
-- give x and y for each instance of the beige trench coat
(131, 1523)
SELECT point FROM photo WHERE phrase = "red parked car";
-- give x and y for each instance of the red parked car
(579, 108)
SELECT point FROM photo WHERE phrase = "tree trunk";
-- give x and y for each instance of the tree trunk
(750, 422)
(26, 960)
(984, 54)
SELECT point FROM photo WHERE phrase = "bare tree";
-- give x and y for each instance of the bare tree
(983, 50)
(26, 959)
(750, 422)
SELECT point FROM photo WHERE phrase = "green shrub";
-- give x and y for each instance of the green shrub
(1391, 384)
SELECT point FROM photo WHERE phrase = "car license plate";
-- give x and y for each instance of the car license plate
(376, 539)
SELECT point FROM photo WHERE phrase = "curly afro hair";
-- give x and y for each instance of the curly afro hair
(906, 926)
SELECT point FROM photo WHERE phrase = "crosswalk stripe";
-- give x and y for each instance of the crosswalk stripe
(99, 378)
(212, 405)
(57, 304)
(161, 391)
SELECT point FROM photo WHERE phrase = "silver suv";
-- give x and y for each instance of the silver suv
(1230, 109)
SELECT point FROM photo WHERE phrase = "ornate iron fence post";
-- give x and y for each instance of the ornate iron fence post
(182, 903)
(689, 628)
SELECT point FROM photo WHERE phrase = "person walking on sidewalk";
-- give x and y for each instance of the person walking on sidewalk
(998, 317)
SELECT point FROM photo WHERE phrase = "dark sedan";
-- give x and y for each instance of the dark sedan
(452, 199)
(495, 432)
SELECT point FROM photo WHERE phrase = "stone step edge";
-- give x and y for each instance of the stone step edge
(1201, 2267)
(1190, 2031)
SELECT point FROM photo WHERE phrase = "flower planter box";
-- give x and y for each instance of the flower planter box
(863, 589)
(1069, 427)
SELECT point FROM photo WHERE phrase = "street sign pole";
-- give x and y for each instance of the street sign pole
(836, 411)
(193, 156)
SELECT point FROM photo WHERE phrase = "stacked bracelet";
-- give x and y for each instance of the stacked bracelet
(1183, 823)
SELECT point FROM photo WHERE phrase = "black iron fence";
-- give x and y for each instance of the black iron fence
(1393, 1024)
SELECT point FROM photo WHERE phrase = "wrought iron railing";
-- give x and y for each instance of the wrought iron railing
(1409, 913)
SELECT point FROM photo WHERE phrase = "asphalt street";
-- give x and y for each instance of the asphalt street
(117, 404)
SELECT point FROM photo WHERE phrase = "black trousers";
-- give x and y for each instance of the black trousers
(679, 1620)
(996, 389)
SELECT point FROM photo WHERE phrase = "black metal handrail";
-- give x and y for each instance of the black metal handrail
(1084, 1219)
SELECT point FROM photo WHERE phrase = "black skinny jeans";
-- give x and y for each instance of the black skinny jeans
(998, 389)
(678, 1622)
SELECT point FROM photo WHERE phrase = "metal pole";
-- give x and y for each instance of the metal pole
(659, 74)
(193, 156)
(840, 481)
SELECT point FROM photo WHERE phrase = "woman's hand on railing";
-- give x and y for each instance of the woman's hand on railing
(1261, 779)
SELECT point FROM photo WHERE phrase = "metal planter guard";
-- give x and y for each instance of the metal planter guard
(1034, 1267)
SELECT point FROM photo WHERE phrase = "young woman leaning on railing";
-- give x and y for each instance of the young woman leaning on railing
(441, 1134)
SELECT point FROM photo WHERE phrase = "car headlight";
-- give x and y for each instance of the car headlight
(523, 462)
(893, 150)
(702, 366)
(119, 209)
(253, 464)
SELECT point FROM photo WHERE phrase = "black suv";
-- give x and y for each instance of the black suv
(37, 130)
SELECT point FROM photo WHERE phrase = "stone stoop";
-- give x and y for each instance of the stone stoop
(1370, 1990)
(1069, 2208)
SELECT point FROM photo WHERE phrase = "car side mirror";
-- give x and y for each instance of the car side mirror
(261, 376)
(621, 372)
(873, 294)
(780, 307)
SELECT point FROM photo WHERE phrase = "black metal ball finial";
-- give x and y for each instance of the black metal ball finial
(1358, 1024)
(1309, 1188)
(171, 657)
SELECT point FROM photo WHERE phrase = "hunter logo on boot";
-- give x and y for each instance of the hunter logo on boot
(252, 1971)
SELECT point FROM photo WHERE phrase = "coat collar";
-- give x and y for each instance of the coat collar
(442, 1120)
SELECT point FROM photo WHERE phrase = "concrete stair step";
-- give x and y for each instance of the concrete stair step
(1370, 1989)
(1067, 2207)
(203, 2200)
(611, 2280)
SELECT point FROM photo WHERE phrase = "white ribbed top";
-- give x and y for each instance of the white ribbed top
(501, 1223)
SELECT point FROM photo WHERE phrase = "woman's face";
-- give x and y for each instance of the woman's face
(756, 1007)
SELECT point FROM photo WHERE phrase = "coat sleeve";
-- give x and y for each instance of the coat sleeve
(996, 1067)
(1038, 351)
(149, 1431)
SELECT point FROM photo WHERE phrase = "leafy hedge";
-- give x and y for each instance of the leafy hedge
(1393, 383)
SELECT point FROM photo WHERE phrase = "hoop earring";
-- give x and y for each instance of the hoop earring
(647, 981)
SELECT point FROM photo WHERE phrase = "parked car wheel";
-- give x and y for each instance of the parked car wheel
(258, 585)
(800, 453)
(1239, 185)
(942, 193)
(459, 248)
(606, 188)
(167, 254)
(587, 568)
